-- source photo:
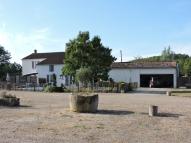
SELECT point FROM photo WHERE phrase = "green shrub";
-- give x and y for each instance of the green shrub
(122, 85)
(130, 87)
(84, 75)
(50, 88)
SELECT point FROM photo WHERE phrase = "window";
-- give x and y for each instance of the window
(51, 68)
(33, 64)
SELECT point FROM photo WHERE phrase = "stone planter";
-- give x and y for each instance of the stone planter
(168, 93)
(83, 103)
(8, 100)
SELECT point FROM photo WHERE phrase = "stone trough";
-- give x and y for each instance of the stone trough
(9, 99)
(83, 103)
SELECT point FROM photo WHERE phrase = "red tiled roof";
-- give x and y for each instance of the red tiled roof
(50, 58)
(144, 65)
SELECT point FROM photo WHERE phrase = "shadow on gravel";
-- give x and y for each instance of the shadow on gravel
(165, 115)
(114, 112)
(17, 107)
(169, 115)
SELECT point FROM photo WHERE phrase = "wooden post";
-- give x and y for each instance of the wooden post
(153, 110)
(168, 93)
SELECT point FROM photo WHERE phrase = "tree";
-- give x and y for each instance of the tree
(15, 68)
(100, 59)
(83, 52)
(6, 66)
(167, 54)
(187, 67)
(4, 55)
(84, 75)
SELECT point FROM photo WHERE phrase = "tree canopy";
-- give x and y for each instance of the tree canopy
(83, 52)
(4, 55)
(6, 66)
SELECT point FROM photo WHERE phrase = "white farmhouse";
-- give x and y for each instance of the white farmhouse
(40, 68)
(162, 74)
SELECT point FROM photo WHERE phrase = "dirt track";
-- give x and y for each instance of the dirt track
(122, 118)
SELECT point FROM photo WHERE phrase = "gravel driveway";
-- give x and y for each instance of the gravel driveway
(122, 118)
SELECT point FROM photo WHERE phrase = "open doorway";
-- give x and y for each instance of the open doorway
(159, 80)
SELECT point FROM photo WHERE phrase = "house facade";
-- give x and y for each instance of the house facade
(43, 67)
(161, 74)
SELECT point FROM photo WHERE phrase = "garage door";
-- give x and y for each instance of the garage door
(159, 80)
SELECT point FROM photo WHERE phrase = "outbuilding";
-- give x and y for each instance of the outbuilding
(146, 74)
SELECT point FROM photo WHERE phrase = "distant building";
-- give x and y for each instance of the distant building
(160, 74)
(40, 68)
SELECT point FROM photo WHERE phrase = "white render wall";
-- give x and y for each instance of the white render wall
(133, 75)
(27, 66)
(43, 71)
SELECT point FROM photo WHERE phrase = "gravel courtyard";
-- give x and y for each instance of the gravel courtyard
(122, 118)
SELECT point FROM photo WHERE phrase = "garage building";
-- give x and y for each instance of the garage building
(162, 74)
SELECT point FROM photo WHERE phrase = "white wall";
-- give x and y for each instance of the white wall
(43, 71)
(133, 75)
(27, 66)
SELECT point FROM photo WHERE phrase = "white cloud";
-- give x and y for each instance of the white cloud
(22, 44)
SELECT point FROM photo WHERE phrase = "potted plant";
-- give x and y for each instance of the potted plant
(81, 101)
(122, 87)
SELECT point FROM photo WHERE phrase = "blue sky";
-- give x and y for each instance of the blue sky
(137, 27)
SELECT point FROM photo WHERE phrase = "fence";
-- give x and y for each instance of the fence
(20, 86)
(106, 87)
(184, 81)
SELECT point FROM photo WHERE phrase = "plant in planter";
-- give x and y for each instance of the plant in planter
(122, 87)
(85, 52)
(83, 102)
(83, 76)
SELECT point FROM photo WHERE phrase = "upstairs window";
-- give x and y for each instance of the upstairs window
(51, 68)
(33, 65)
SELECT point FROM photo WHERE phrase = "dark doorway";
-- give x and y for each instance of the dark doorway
(159, 80)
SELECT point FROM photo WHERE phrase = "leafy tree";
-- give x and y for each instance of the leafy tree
(187, 67)
(84, 75)
(167, 54)
(83, 52)
(6, 66)
(15, 68)
(4, 55)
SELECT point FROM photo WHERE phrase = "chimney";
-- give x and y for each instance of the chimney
(35, 51)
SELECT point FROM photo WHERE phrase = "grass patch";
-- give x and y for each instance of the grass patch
(81, 127)
(100, 126)
(181, 94)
